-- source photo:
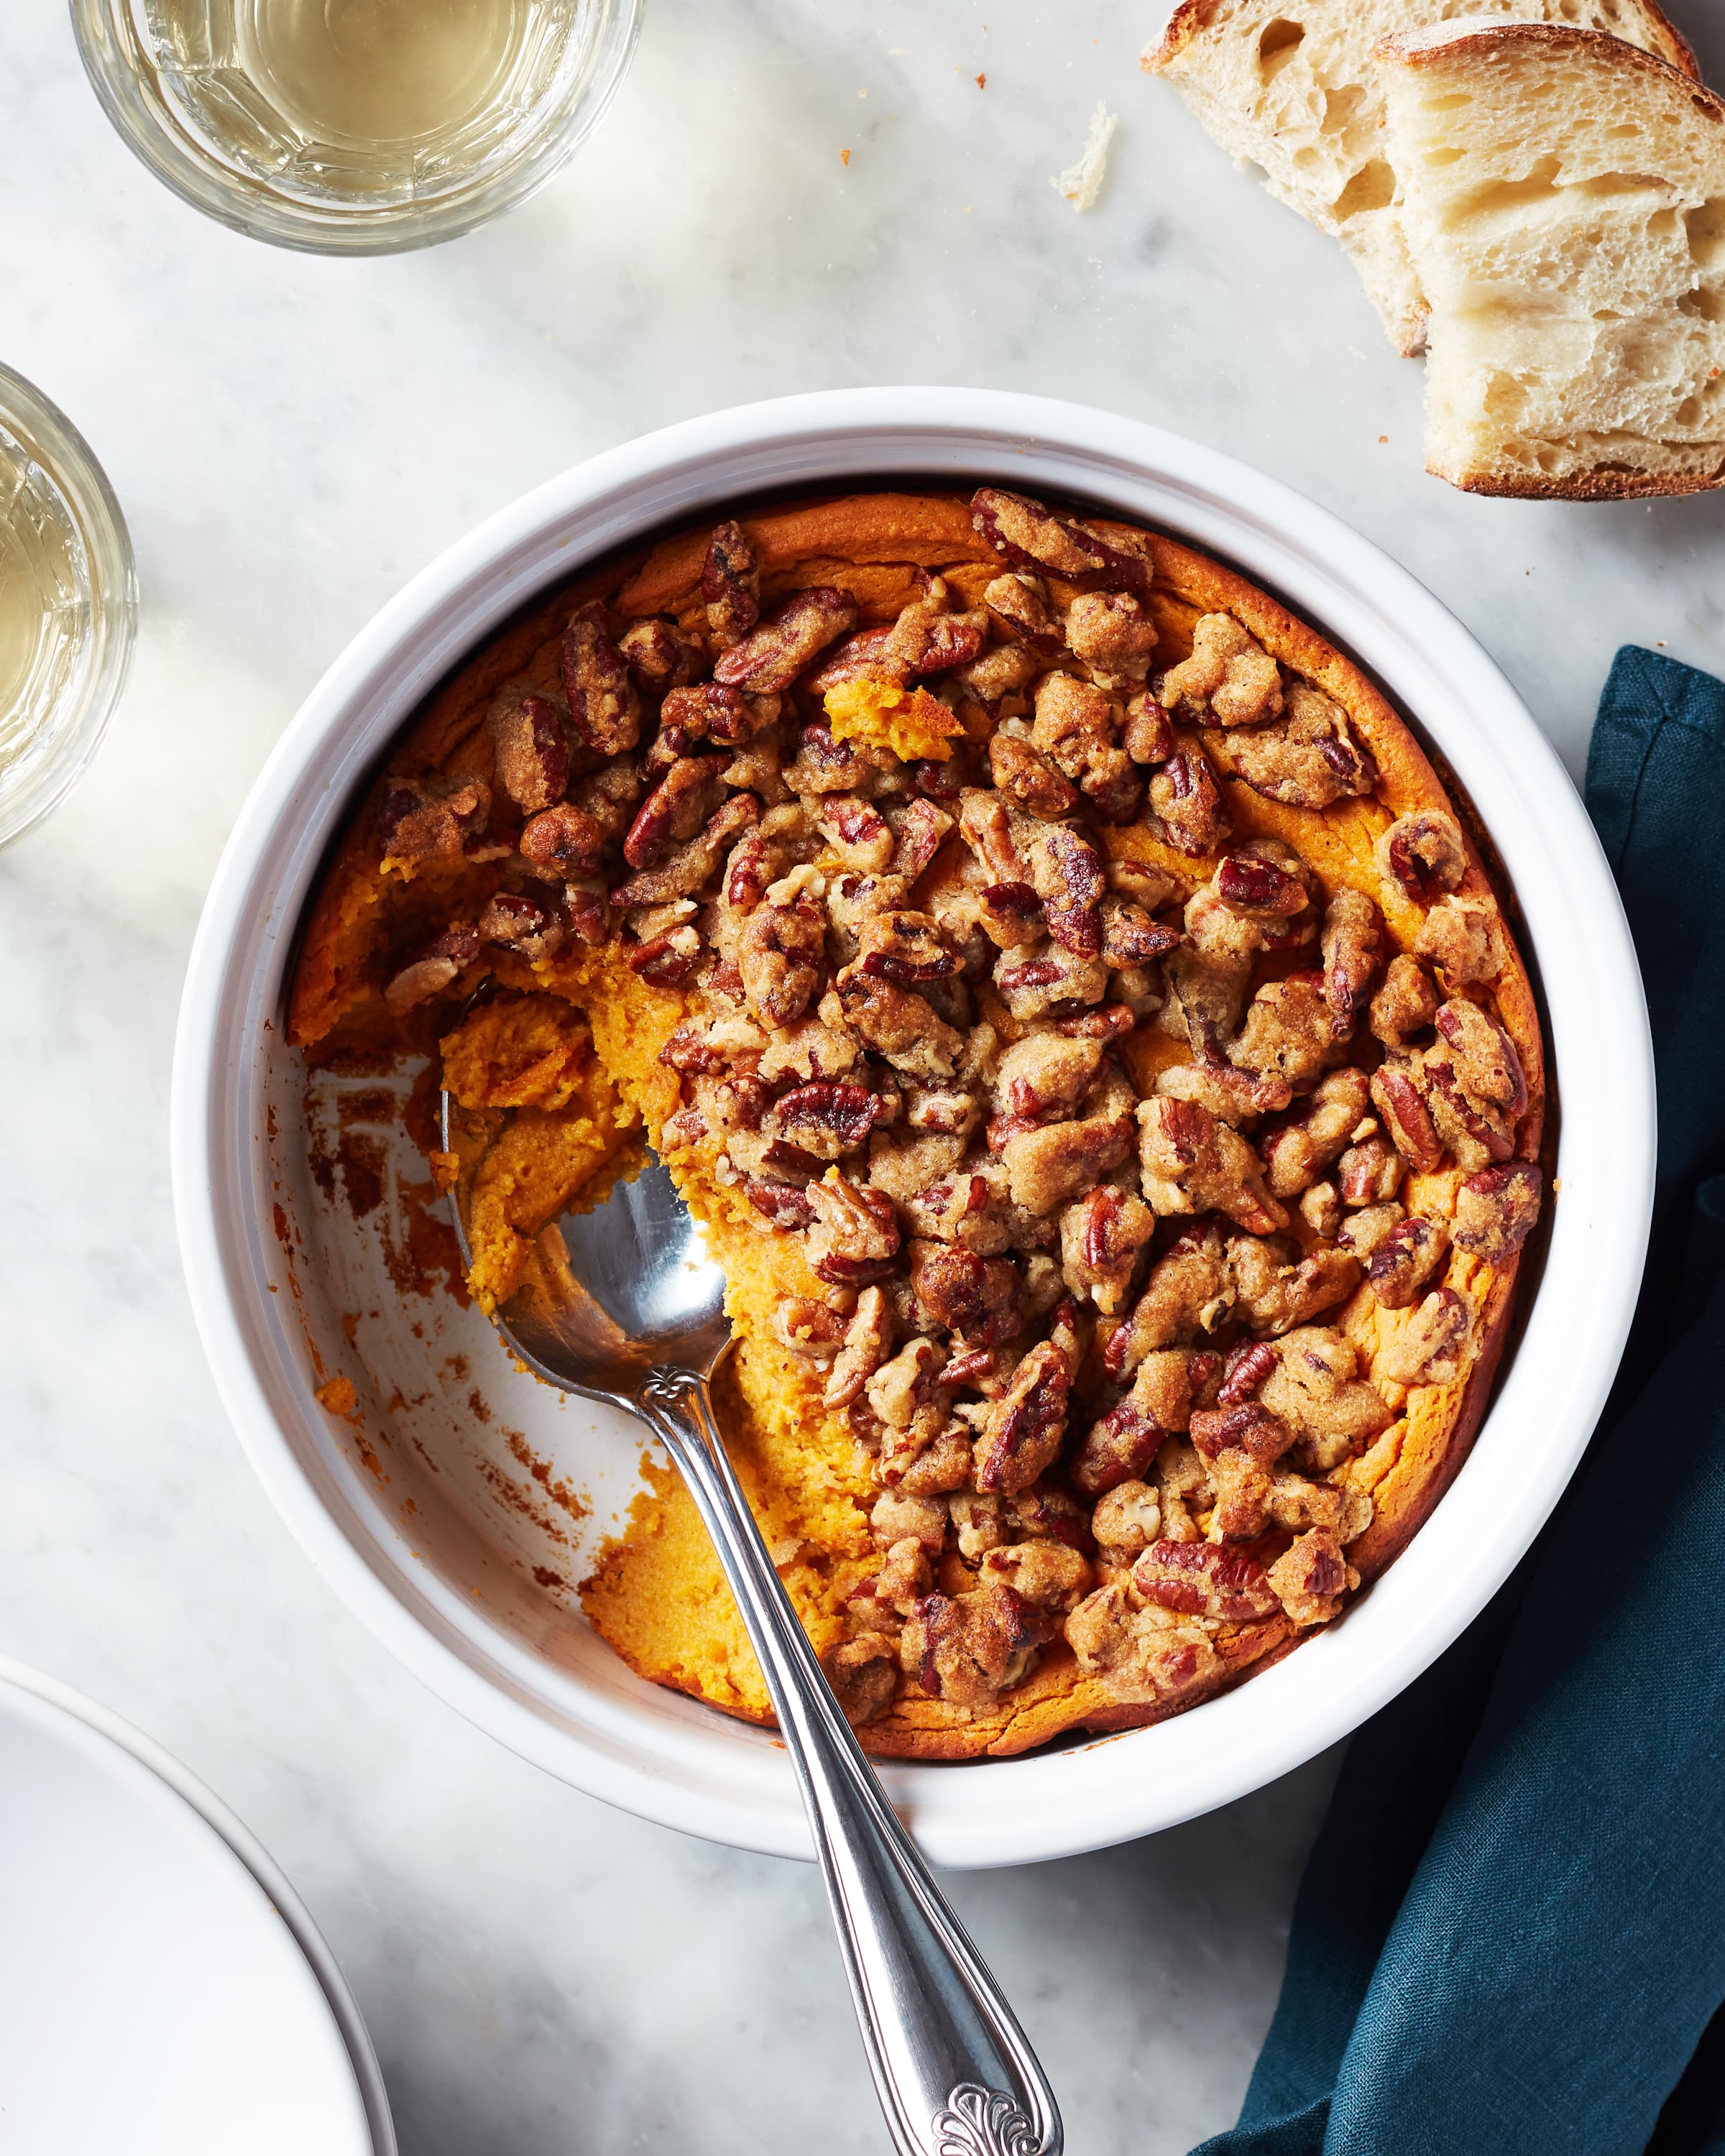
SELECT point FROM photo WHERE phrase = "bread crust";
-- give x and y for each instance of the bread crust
(874, 543)
(1191, 18)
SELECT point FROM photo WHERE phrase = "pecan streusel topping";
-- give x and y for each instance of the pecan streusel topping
(1139, 1169)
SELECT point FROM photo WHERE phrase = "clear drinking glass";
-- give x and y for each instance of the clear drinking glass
(355, 126)
(68, 605)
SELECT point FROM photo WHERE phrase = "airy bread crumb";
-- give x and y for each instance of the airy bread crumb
(1081, 182)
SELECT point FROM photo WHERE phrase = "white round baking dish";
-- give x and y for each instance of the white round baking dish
(451, 1594)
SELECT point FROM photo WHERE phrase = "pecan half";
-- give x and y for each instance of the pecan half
(808, 1328)
(562, 843)
(1129, 937)
(1230, 679)
(920, 830)
(976, 1297)
(685, 872)
(867, 1338)
(1186, 801)
(1425, 854)
(857, 832)
(1190, 1290)
(659, 656)
(1192, 1163)
(1019, 606)
(729, 584)
(906, 948)
(1431, 1348)
(1027, 777)
(1021, 1432)
(1249, 1363)
(435, 969)
(1401, 1102)
(1258, 885)
(1204, 1580)
(1103, 1235)
(1370, 1171)
(1353, 949)
(1010, 915)
(826, 1119)
(1405, 1259)
(1405, 1005)
(855, 1237)
(1066, 875)
(1026, 534)
(666, 958)
(1310, 1577)
(589, 911)
(522, 924)
(1495, 1211)
(783, 1203)
(1148, 735)
(532, 751)
(1117, 1448)
(677, 809)
(431, 818)
(779, 953)
(1297, 1151)
(708, 711)
(1484, 1058)
(604, 707)
(825, 765)
(772, 657)
(1309, 762)
(969, 1649)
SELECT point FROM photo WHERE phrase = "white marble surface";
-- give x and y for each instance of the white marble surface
(291, 438)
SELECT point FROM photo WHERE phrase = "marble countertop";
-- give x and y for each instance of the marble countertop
(290, 440)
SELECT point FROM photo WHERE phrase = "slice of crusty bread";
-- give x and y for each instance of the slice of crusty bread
(1293, 86)
(1565, 209)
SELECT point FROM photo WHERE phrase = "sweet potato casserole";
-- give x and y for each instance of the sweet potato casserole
(1063, 988)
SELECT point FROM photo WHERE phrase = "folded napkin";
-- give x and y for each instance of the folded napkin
(1510, 1940)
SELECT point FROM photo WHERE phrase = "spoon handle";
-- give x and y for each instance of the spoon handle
(951, 2066)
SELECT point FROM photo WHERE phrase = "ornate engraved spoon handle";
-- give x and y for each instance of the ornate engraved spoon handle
(953, 2071)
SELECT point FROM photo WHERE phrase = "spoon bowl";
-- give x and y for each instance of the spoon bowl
(613, 1293)
(623, 1303)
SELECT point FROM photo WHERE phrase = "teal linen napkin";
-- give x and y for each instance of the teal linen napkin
(1510, 1940)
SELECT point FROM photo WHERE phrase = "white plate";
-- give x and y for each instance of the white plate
(432, 1531)
(162, 1990)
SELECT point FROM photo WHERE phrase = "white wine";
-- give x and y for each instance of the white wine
(383, 99)
(44, 613)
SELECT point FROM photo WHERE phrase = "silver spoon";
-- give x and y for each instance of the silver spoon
(627, 1307)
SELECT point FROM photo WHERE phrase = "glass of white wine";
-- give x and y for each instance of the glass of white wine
(355, 126)
(68, 605)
